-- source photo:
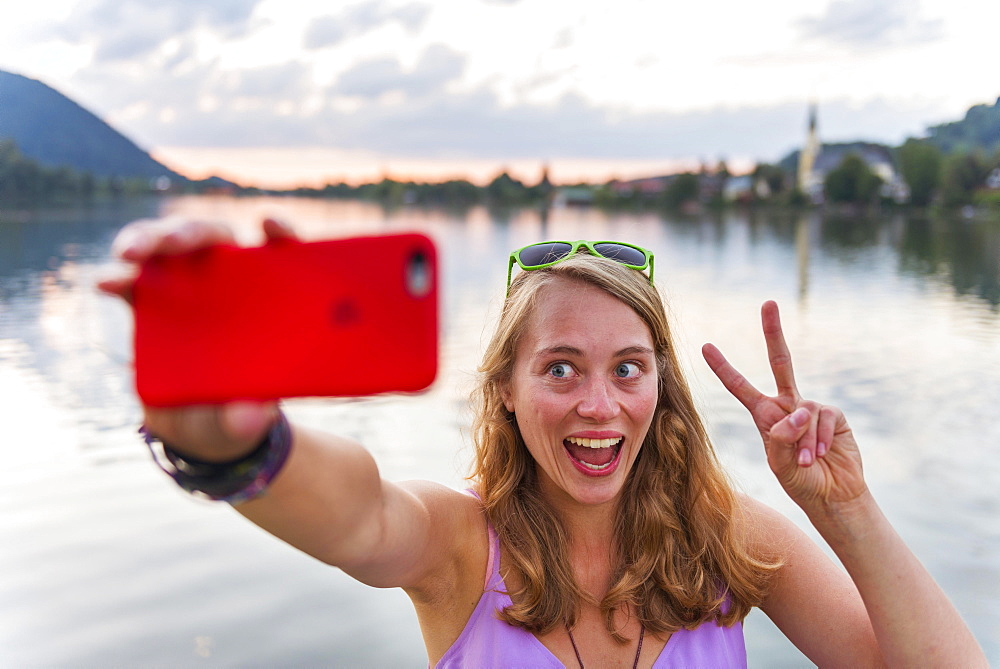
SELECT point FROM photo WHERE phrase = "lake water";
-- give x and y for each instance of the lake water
(104, 562)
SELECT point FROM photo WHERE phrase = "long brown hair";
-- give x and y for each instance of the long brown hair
(682, 557)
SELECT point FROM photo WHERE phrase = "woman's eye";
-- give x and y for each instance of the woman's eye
(560, 370)
(627, 370)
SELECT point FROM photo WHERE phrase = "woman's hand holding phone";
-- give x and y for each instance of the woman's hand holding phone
(139, 241)
(324, 494)
(223, 332)
(219, 432)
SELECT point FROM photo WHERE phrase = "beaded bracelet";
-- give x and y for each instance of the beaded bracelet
(233, 482)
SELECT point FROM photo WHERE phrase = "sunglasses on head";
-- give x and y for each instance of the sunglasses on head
(546, 254)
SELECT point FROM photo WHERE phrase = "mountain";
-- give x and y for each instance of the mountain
(980, 129)
(54, 131)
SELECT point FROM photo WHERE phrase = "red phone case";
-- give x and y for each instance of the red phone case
(344, 317)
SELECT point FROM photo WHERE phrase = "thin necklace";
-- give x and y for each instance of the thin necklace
(642, 633)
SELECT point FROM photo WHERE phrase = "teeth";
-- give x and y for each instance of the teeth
(593, 443)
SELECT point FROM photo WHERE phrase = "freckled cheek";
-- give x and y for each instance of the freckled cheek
(648, 406)
(643, 410)
(538, 421)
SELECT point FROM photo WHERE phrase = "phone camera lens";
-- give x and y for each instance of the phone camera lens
(418, 275)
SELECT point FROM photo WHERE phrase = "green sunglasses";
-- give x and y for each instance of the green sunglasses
(546, 254)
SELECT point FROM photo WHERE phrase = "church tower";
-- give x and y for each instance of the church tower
(809, 153)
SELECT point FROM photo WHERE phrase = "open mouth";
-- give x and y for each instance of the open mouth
(594, 456)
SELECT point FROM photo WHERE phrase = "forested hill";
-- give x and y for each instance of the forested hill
(980, 129)
(54, 131)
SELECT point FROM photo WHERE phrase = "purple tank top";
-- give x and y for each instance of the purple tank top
(487, 641)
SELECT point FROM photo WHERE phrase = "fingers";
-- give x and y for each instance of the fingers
(214, 433)
(806, 446)
(248, 420)
(786, 436)
(140, 240)
(777, 351)
(275, 229)
(120, 284)
(829, 418)
(734, 382)
(807, 433)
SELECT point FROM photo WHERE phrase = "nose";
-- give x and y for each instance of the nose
(598, 402)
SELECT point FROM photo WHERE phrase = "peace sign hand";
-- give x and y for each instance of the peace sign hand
(810, 447)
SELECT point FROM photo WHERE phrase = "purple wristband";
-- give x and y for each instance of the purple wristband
(233, 482)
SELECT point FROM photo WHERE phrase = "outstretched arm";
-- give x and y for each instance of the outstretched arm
(812, 452)
(328, 499)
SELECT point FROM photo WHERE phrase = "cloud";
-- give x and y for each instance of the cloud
(477, 125)
(382, 106)
(374, 78)
(412, 16)
(326, 31)
(421, 110)
(872, 24)
(127, 29)
(564, 39)
(270, 83)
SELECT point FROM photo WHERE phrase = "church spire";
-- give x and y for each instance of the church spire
(809, 153)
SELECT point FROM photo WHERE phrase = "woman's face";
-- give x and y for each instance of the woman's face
(583, 390)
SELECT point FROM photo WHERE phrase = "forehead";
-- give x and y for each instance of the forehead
(573, 313)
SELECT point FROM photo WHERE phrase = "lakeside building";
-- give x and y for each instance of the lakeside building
(810, 180)
(817, 160)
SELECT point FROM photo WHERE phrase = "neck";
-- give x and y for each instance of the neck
(586, 524)
(590, 533)
(591, 542)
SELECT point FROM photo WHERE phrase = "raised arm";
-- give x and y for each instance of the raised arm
(811, 450)
(328, 498)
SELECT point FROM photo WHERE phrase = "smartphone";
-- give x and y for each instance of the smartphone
(345, 317)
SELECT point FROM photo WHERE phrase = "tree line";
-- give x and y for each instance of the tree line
(24, 181)
(951, 180)
(932, 176)
(502, 190)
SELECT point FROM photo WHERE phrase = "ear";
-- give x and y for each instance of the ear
(507, 396)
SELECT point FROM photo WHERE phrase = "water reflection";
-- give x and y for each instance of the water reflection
(802, 244)
(895, 319)
(965, 253)
(961, 253)
(44, 239)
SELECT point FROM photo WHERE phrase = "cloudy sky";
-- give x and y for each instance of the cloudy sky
(284, 91)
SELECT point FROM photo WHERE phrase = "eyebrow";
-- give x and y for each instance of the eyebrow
(565, 349)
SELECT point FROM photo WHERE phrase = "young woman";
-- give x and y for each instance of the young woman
(600, 530)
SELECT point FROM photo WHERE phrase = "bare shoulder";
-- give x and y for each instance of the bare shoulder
(766, 529)
(812, 599)
(456, 508)
(774, 533)
(445, 597)
(457, 535)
